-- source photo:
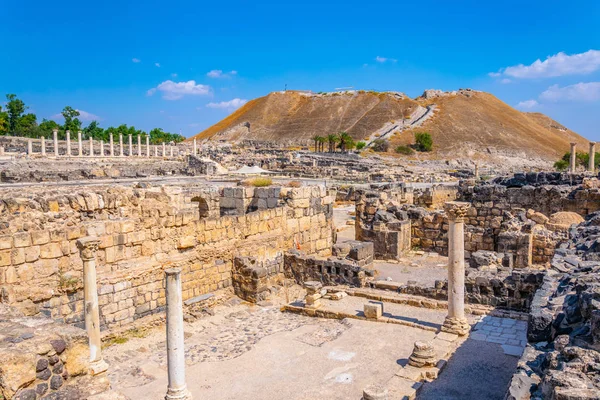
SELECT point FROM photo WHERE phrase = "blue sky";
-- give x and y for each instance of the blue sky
(133, 62)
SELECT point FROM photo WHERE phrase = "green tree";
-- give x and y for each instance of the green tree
(316, 140)
(321, 140)
(15, 109)
(423, 141)
(3, 121)
(561, 165)
(404, 150)
(26, 124)
(345, 141)
(95, 131)
(360, 145)
(72, 123)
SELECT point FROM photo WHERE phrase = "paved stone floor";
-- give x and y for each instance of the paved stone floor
(509, 333)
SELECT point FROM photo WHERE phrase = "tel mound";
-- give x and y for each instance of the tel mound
(461, 123)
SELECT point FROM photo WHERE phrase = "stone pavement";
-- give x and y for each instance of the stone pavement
(511, 334)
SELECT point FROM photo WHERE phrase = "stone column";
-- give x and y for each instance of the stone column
(147, 146)
(121, 143)
(130, 146)
(68, 137)
(112, 146)
(171, 147)
(164, 150)
(102, 148)
(195, 148)
(476, 171)
(91, 146)
(29, 147)
(88, 247)
(177, 388)
(79, 144)
(55, 134)
(455, 321)
(2, 150)
(139, 146)
(591, 163)
(572, 166)
(43, 145)
(155, 151)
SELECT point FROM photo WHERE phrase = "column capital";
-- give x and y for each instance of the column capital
(173, 271)
(592, 143)
(88, 246)
(456, 210)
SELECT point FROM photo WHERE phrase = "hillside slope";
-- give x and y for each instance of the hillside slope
(464, 122)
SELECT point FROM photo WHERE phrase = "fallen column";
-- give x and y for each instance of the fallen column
(455, 321)
(177, 388)
(88, 247)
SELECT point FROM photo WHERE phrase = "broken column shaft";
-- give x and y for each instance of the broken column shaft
(572, 165)
(592, 156)
(177, 388)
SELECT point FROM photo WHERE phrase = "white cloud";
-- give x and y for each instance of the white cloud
(589, 91)
(560, 64)
(157, 64)
(217, 73)
(528, 104)
(176, 90)
(228, 105)
(136, 60)
(505, 81)
(83, 116)
(380, 59)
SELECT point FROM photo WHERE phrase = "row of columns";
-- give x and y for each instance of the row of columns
(163, 153)
(177, 388)
(591, 160)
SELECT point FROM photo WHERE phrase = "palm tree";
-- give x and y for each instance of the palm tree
(316, 140)
(332, 139)
(344, 140)
(321, 141)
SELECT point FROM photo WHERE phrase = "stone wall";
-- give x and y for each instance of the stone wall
(141, 231)
(252, 278)
(435, 196)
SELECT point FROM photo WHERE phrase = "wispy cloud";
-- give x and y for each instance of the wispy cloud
(560, 64)
(176, 90)
(528, 104)
(382, 60)
(228, 105)
(157, 64)
(83, 116)
(136, 60)
(217, 73)
(581, 92)
(505, 81)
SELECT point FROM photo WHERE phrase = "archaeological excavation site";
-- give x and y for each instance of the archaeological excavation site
(271, 257)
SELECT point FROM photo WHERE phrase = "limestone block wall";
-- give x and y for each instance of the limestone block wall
(435, 196)
(332, 271)
(142, 231)
(252, 278)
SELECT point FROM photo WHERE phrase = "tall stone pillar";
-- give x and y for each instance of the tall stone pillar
(68, 137)
(102, 148)
(91, 146)
(147, 146)
(79, 144)
(88, 247)
(195, 148)
(139, 146)
(43, 139)
(29, 147)
(55, 137)
(572, 165)
(112, 146)
(155, 151)
(177, 388)
(455, 321)
(592, 157)
(171, 147)
(130, 146)
(164, 154)
(121, 144)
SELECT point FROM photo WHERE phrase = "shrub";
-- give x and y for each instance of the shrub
(561, 165)
(261, 182)
(423, 141)
(360, 145)
(294, 184)
(380, 145)
(407, 151)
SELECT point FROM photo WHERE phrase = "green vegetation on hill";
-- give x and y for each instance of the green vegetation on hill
(581, 159)
(15, 122)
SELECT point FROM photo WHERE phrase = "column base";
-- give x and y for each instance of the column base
(178, 394)
(457, 326)
(98, 367)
